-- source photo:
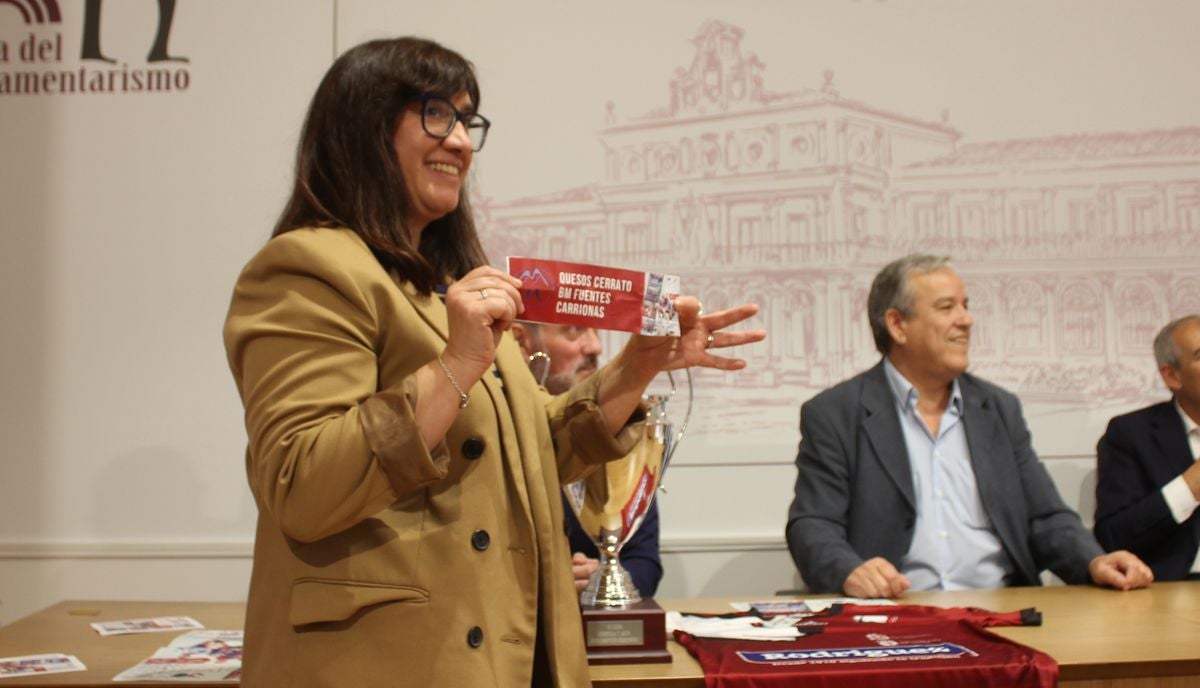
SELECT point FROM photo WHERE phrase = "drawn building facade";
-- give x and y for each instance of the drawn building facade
(1076, 249)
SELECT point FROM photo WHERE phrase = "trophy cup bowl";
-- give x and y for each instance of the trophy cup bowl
(610, 504)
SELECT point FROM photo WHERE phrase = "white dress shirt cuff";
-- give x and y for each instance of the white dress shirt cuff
(1180, 499)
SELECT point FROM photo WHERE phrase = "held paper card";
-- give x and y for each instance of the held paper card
(563, 293)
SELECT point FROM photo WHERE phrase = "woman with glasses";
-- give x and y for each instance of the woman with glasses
(405, 464)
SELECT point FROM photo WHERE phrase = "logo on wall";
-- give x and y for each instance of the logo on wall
(35, 12)
(35, 60)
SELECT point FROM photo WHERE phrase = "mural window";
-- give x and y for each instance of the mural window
(755, 149)
(1185, 298)
(668, 160)
(862, 151)
(858, 221)
(971, 220)
(1143, 217)
(1084, 217)
(1139, 316)
(687, 153)
(733, 158)
(591, 248)
(924, 220)
(748, 232)
(653, 162)
(712, 78)
(1026, 223)
(637, 239)
(633, 165)
(800, 229)
(799, 323)
(1081, 315)
(982, 304)
(737, 87)
(1027, 317)
(1189, 216)
(710, 151)
(803, 145)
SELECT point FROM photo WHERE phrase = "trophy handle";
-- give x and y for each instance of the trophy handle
(687, 416)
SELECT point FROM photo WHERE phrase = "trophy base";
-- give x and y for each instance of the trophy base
(634, 634)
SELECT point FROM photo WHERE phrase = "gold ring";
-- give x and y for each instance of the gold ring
(709, 343)
(483, 294)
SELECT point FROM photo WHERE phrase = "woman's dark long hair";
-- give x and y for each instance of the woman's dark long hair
(346, 169)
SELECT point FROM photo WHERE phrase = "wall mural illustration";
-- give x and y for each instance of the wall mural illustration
(1076, 248)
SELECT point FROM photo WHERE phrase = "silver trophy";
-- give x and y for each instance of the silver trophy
(612, 501)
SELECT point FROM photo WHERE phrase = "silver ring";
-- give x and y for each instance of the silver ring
(482, 294)
(709, 343)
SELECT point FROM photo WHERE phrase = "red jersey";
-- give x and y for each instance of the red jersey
(880, 646)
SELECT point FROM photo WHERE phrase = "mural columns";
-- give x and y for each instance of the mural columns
(826, 319)
(1108, 299)
(842, 356)
(1053, 340)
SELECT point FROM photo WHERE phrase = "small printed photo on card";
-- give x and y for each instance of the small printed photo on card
(154, 625)
(218, 645)
(36, 665)
(193, 656)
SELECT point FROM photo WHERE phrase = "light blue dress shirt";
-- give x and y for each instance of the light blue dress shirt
(954, 545)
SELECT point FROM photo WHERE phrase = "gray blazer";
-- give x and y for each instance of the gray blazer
(854, 488)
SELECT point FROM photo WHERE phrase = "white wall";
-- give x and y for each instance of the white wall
(127, 216)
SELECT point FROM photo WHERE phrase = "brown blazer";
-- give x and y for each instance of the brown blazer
(376, 561)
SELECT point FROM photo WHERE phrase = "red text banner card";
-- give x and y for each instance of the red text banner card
(562, 293)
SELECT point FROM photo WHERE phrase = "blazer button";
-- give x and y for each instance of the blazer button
(473, 448)
(480, 540)
(475, 636)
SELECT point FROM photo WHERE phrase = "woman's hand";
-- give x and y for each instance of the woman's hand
(480, 307)
(698, 336)
(626, 377)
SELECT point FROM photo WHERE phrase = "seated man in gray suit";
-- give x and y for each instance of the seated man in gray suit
(916, 474)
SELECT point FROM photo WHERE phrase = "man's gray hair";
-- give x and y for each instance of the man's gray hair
(892, 288)
(1165, 352)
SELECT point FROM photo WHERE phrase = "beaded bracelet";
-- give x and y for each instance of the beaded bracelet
(463, 399)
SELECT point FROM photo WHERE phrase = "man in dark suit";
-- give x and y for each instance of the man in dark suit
(916, 474)
(1149, 473)
(560, 356)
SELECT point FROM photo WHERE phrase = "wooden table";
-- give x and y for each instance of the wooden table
(1100, 638)
(64, 628)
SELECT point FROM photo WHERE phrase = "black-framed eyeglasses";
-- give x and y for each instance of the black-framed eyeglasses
(438, 117)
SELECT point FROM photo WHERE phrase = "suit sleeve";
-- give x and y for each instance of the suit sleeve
(1131, 512)
(324, 449)
(1057, 538)
(817, 528)
(580, 433)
